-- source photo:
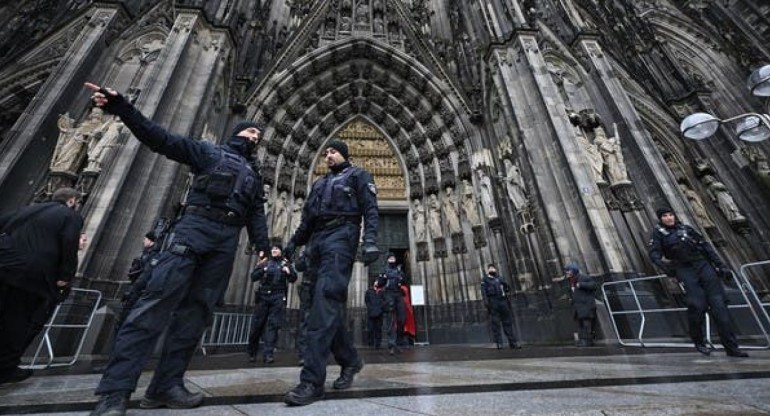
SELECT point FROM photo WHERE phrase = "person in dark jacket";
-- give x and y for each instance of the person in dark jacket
(582, 290)
(680, 251)
(273, 276)
(194, 269)
(495, 293)
(138, 274)
(374, 302)
(394, 308)
(38, 260)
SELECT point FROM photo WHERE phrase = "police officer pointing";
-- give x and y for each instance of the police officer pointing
(192, 274)
(693, 261)
(330, 227)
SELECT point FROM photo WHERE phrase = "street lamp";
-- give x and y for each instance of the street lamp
(750, 127)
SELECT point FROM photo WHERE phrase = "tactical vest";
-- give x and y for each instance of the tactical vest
(493, 288)
(273, 280)
(393, 277)
(680, 245)
(230, 184)
(335, 195)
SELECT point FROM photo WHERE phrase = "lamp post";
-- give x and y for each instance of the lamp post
(749, 127)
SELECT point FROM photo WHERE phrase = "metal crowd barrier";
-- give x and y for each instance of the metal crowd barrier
(227, 329)
(92, 299)
(761, 306)
(747, 292)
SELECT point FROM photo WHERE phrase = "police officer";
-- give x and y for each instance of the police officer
(494, 291)
(273, 276)
(330, 227)
(192, 274)
(395, 310)
(681, 251)
(582, 292)
(137, 275)
(373, 298)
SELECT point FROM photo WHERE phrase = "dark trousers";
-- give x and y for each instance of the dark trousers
(500, 313)
(394, 317)
(305, 300)
(331, 254)
(704, 292)
(374, 325)
(269, 313)
(585, 329)
(21, 313)
(181, 294)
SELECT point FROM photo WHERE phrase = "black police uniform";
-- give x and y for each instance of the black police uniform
(395, 309)
(192, 274)
(494, 291)
(583, 293)
(270, 304)
(138, 274)
(374, 308)
(693, 261)
(330, 228)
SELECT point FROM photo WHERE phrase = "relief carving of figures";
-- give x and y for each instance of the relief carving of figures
(723, 199)
(296, 212)
(280, 220)
(758, 162)
(487, 200)
(469, 204)
(613, 156)
(697, 206)
(450, 211)
(434, 221)
(72, 143)
(362, 13)
(418, 219)
(514, 184)
(266, 188)
(595, 158)
(99, 147)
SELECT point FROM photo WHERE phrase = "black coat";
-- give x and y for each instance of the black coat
(374, 303)
(583, 297)
(46, 237)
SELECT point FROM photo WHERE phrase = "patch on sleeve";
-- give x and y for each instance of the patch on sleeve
(372, 188)
(650, 243)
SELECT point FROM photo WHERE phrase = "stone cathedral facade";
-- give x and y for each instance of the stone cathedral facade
(525, 133)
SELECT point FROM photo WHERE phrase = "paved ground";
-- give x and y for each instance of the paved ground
(464, 380)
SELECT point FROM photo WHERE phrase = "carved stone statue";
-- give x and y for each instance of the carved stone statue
(613, 156)
(296, 212)
(72, 143)
(450, 211)
(469, 204)
(266, 188)
(418, 220)
(434, 221)
(595, 158)
(724, 200)
(697, 206)
(99, 147)
(514, 183)
(281, 215)
(487, 200)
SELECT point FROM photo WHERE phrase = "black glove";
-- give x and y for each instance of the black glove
(725, 273)
(370, 254)
(301, 264)
(288, 251)
(670, 271)
(116, 104)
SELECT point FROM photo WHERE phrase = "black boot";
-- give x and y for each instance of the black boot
(735, 352)
(347, 374)
(269, 359)
(112, 404)
(515, 345)
(703, 349)
(177, 397)
(304, 394)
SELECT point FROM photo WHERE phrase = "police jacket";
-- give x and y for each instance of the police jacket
(492, 287)
(374, 301)
(583, 299)
(346, 193)
(392, 280)
(272, 278)
(682, 245)
(42, 239)
(226, 187)
(141, 263)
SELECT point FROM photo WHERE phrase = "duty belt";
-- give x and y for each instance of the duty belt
(330, 223)
(216, 214)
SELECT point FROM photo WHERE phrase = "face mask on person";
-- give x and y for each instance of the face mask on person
(243, 145)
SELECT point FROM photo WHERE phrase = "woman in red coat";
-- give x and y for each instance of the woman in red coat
(409, 325)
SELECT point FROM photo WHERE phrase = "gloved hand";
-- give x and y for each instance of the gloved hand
(288, 251)
(725, 273)
(370, 254)
(109, 100)
(670, 271)
(62, 293)
(301, 264)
